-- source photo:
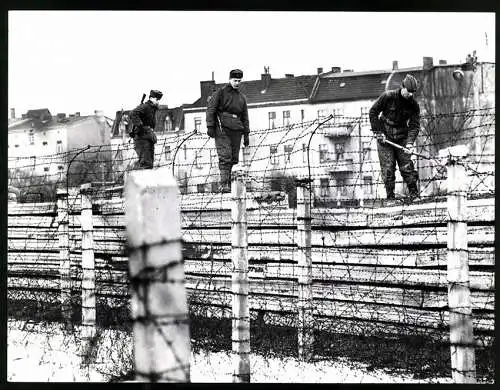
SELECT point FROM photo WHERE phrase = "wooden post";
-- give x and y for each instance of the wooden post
(88, 265)
(459, 301)
(305, 298)
(240, 305)
(64, 260)
(162, 344)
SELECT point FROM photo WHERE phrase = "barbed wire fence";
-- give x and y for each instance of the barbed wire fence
(378, 277)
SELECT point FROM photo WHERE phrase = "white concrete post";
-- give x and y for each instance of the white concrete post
(459, 301)
(64, 260)
(162, 344)
(88, 265)
(240, 305)
(305, 296)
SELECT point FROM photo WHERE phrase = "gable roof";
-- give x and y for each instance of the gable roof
(281, 89)
(359, 85)
(42, 120)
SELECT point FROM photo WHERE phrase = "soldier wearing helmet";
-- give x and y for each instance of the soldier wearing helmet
(395, 116)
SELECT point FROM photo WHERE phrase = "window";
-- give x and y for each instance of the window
(368, 185)
(304, 153)
(200, 188)
(288, 152)
(338, 115)
(197, 123)
(168, 153)
(366, 151)
(324, 185)
(60, 167)
(59, 148)
(46, 169)
(44, 143)
(341, 186)
(322, 114)
(246, 156)
(364, 114)
(123, 125)
(286, 118)
(273, 151)
(16, 145)
(272, 120)
(31, 137)
(197, 160)
(213, 156)
(323, 153)
(214, 186)
(168, 123)
(339, 151)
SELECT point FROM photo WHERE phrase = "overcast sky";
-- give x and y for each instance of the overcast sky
(70, 61)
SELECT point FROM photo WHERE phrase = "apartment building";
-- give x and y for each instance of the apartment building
(39, 142)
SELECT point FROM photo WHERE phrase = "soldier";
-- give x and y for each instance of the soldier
(227, 122)
(399, 122)
(143, 119)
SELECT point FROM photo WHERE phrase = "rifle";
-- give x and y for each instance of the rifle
(132, 132)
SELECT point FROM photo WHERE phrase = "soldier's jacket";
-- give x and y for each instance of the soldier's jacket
(144, 115)
(227, 99)
(400, 117)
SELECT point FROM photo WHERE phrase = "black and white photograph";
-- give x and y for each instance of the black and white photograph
(230, 196)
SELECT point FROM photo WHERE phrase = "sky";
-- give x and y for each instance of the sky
(82, 61)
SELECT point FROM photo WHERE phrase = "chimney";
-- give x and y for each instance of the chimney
(77, 113)
(12, 113)
(60, 116)
(395, 65)
(289, 75)
(428, 63)
(266, 80)
(206, 89)
(442, 62)
(320, 70)
(336, 69)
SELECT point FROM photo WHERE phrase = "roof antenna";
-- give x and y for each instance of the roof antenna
(212, 75)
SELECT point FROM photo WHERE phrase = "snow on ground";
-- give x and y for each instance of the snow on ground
(35, 356)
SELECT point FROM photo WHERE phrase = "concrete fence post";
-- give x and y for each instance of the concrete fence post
(459, 300)
(240, 285)
(304, 261)
(162, 344)
(88, 265)
(64, 260)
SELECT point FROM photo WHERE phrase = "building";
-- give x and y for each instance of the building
(40, 144)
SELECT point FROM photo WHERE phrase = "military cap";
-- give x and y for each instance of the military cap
(410, 83)
(155, 94)
(236, 74)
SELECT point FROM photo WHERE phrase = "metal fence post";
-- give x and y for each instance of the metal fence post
(64, 260)
(305, 296)
(459, 300)
(88, 265)
(240, 287)
(162, 344)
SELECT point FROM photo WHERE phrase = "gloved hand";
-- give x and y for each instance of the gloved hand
(148, 134)
(411, 148)
(246, 139)
(380, 137)
(211, 132)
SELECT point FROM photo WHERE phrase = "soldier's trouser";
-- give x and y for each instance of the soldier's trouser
(145, 150)
(228, 149)
(388, 156)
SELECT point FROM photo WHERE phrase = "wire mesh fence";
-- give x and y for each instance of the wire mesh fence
(378, 280)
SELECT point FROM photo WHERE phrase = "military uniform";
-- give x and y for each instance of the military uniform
(224, 108)
(143, 118)
(400, 123)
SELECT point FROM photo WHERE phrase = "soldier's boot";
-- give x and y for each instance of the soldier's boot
(225, 181)
(391, 198)
(414, 193)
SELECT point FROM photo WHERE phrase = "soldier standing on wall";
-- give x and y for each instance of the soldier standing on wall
(227, 122)
(395, 116)
(143, 119)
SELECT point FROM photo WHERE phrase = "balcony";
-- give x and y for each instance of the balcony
(336, 166)
(338, 130)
